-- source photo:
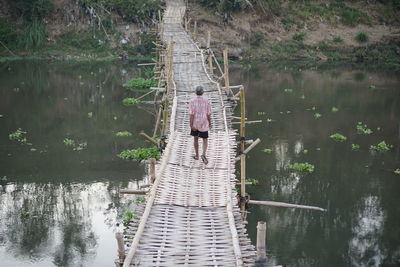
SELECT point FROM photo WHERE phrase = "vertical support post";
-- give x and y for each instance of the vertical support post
(242, 146)
(226, 70)
(121, 247)
(210, 64)
(261, 241)
(152, 170)
(195, 30)
(169, 70)
(186, 24)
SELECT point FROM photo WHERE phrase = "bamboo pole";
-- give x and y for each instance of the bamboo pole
(242, 140)
(261, 240)
(247, 150)
(284, 205)
(121, 247)
(226, 70)
(210, 61)
(195, 30)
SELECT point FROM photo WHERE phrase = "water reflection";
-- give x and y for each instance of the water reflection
(356, 187)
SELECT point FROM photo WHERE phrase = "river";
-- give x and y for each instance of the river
(60, 204)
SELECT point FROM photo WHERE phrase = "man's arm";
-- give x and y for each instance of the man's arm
(209, 120)
(191, 122)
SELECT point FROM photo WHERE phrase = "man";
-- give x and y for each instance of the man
(200, 121)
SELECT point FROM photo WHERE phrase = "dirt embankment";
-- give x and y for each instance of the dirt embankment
(255, 32)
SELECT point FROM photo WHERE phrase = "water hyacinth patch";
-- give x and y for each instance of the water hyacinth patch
(18, 135)
(69, 142)
(317, 115)
(140, 154)
(139, 83)
(338, 137)
(130, 101)
(90, 115)
(123, 134)
(252, 181)
(355, 147)
(288, 90)
(302, 167)
(363, 129)
(267, 150)
(380, 147)
(397, 171)
(334, 109)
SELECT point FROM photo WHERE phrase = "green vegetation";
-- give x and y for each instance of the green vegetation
(4, 179)
(288, 90)
(267, 150)
(317, 115)
(380, 147)
(337, 40)
(299, 36)
(128, 216)
(302, 167)
(123, 134)
(139, 83)
(139, 10)
(338, 137)
(18, 135)
(355, 147)
(252, 181)
(256, 39)
(363, 129)
(140, 154)
(130, 101)
(69, 142)
(334, 109)
(362, 37)
(397, 171)
(90, 115)
(305, 151)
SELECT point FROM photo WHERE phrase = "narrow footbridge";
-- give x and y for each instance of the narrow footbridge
(191, 217)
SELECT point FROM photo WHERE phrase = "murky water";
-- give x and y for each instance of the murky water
(59, 207)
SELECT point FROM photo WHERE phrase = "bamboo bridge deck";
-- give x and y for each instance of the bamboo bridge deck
(191, 215)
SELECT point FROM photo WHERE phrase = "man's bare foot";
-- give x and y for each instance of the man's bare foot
(195, 157)
(204, 159)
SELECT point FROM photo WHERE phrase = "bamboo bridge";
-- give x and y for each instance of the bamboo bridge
(191, 216)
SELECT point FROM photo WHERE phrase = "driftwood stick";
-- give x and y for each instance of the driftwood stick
(148, 138)
(132, 191)
(284, 205)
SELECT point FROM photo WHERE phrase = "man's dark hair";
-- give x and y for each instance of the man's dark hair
(199, 90)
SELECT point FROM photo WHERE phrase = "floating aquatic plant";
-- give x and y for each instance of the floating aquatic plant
(338, 137)
(288, 90)
(90, 115)
(267, 150)
(397, 171)
(317, 115)
(334, 109)
(123, 134)
(380, 147)
(139, 83)
(18, 135)
(355, 147)
(69, 142)
(252, 181)
(140, 154)
(363, 129)
(302, 167)
(130, 101)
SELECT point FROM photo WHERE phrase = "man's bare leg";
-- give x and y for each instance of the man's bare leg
(196, 146)
(205, 144)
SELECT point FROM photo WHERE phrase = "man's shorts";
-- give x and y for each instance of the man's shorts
(199, 134)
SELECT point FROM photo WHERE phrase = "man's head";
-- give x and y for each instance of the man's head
(199, 90)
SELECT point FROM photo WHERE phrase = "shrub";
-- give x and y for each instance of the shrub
(140, 154)
(257, 39)
(338, 137)
(362, 37)
(337, 40)
(34, 35)
(302, 167)
(299, 36)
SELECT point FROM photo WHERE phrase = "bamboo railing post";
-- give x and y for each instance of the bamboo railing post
(169, 70)
(121, 248)
(195, 30)
(226, 70)
(152, 170)
(242, 143)
(210, 64)
(261, 241)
